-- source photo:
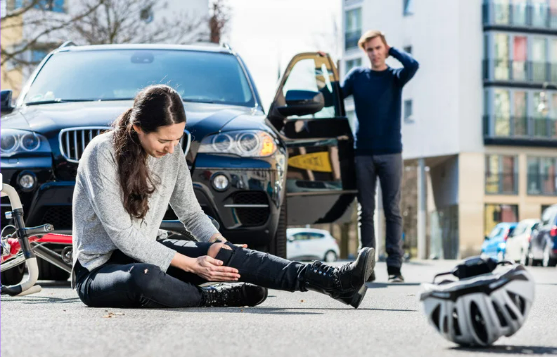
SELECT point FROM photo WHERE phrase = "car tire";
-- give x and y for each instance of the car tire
(48, 271)
(330, 257)
(278, 243)
(547, 260)
(14, 275)
(524, 258)
(536, 262)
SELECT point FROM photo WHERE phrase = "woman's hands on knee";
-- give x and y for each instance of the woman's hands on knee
(207, 267)
(211, 269)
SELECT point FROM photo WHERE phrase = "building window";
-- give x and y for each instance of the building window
(520, 114)
(37, 55)
(408, 110)
(502, 53)
(495, 214)
(539, 13)
(539, 55)
(502, 105)
(408, 7)
(353, 63)
(501, 174)
(48, 5)
(542, 176)
(146, 15)
(353, 28)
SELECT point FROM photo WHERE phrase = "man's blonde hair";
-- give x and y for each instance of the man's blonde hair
(370, 35)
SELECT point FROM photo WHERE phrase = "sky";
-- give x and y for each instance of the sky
(268, 33)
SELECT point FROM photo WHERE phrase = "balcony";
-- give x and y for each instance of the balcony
(525, 16)
(351, 39)
(542, 184)
(512, 130)
(519, 72)
(498, 183)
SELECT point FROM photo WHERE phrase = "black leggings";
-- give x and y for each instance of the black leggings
(125, 282)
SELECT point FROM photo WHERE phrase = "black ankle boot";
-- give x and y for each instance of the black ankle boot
(345, 283)
(233, 295)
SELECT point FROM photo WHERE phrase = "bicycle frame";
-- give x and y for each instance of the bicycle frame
(28, 245)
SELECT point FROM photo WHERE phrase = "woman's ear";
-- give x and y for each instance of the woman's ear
(137, 129)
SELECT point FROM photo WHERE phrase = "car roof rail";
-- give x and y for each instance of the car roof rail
(227, 46)
(67, 44)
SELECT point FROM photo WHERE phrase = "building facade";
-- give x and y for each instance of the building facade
(480, 116)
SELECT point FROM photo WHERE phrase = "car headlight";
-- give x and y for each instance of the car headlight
(249, 143)
(15, 141)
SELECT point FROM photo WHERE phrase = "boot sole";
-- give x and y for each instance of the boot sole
(369, 263)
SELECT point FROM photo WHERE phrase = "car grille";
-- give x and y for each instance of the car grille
(73, 141)
(252, 216)
(59, 216)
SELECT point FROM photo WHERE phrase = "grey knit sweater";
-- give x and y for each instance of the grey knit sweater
(102, 225)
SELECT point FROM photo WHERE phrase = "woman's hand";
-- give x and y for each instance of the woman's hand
(212, 269)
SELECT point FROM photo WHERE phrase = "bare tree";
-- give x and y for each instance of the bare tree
(218, 22)
(132, 21)
(37, 16)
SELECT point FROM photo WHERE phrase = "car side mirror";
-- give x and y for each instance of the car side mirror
(6, 101)
(486, 238)
(302, 102)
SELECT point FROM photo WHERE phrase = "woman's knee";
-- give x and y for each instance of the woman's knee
(215, 248)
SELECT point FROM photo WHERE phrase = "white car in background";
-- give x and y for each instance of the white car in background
(311, 244)
(518, 243)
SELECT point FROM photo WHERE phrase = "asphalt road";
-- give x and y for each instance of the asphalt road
(54, 322)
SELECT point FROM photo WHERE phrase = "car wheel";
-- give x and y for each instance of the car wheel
(547, 260)
(14, 275)
(278, 244)
(330, 256)
(524, 258)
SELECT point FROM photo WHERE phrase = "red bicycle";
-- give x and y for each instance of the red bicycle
(24, 245)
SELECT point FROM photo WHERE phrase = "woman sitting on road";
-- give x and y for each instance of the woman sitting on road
(125, 181)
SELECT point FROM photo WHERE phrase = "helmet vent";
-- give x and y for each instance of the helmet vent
(435, 316)
(445, 325)
(518, 301)
(455, 323)
(502, 320)
(478, 322)
(511, 312)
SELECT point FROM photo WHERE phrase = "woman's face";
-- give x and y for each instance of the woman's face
(163, 141)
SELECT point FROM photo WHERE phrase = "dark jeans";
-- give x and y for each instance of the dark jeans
(389, 170)
(125, 282)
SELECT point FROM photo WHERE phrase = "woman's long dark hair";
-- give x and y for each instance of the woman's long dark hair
(153, 107)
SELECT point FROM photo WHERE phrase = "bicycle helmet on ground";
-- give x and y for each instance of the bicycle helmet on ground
(482, 306)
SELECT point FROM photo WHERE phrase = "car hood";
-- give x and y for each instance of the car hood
(49, 119)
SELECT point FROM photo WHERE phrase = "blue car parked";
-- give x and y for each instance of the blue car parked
(495, 243)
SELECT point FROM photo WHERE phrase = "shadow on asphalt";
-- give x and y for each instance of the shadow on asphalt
(527, 350)
(287, 310)
(30, 299)
(386, 285)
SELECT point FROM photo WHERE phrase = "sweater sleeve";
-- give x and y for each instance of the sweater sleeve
(100, 181)
(185, 204)
(347, 87)
(410, 66)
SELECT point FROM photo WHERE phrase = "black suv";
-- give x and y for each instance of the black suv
(248, 168)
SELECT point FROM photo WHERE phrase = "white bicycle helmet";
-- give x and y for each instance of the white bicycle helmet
(482, 306)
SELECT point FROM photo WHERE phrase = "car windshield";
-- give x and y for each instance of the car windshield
(496, 231)
(207, 77)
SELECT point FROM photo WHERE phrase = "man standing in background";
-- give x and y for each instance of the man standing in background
(377, 93)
